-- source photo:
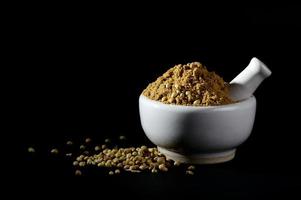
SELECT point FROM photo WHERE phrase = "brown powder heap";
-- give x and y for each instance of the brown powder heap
(190, 84)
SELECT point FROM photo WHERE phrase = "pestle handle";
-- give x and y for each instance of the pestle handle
(245, 83)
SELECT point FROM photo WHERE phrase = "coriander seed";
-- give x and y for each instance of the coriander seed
(162, 167)
(122, 137)
(97, 148)
(54, 151)
(31, 150)
(88, 140)
(82, 164)
(78, 173)
(189, 172)
(191, 167)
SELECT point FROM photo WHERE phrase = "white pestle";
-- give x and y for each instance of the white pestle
(245, 83)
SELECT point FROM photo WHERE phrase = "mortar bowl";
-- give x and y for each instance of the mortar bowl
(195, 134)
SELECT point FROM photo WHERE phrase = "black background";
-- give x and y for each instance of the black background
(78, 73)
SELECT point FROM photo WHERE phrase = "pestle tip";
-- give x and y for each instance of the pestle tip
(261, 66)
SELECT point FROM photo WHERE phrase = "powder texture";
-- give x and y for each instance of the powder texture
(190, 84)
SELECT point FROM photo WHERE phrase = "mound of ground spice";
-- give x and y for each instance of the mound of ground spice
(189, 84)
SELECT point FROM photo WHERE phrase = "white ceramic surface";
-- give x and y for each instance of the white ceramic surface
(197, 134)
(246, 82)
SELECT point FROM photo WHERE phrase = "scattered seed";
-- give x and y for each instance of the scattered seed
(97, 148)
(122, 137)
(130, 159)
(117, 171)
(88, 140)
(82, 164)
(89, 161)
(68, 154)
(69, 143)
(176, 163)
(188, 172)
(142, 167)
(161, 160)
(54, 151)
(80, 158)
(100, 164)
(31, 150)
(133, 167)
(108, 164)
(154, 170)
(78, 173)
(162, 167)
(111, 173)
(191, 167)
(82, 147)
(107, 140)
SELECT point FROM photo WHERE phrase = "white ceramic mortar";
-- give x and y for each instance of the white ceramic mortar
(204, 135)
